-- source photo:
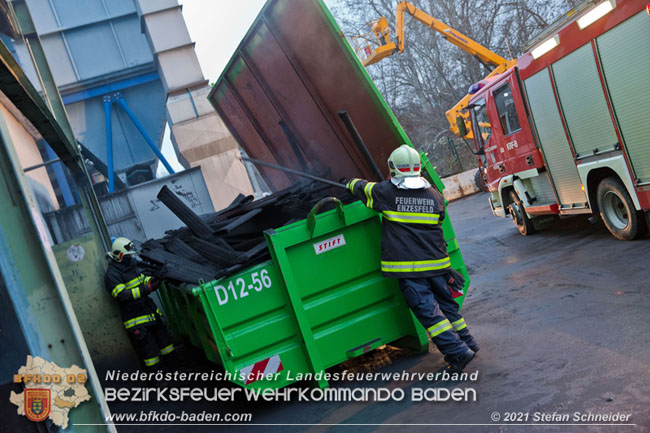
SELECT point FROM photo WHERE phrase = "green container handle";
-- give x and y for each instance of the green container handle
(311, 217)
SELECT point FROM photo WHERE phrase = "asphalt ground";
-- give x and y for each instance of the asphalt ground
(562, 321)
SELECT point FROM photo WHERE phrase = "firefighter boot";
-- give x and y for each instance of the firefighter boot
(458, 363)
(172, 361)
(468, 339)
(461, 329)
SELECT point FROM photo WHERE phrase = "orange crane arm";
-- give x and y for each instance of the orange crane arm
(459, 110)
(387, 47)
(455, 37)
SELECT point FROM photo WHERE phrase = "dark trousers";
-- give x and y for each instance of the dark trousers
(431, 301)
(150, 341)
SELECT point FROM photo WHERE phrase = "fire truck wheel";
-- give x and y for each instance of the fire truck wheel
(518, 215)
(617, 210)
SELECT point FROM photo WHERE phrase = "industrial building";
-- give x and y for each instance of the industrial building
(86, 92)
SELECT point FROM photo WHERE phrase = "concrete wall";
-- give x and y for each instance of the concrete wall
(460, 185)
(82, 267)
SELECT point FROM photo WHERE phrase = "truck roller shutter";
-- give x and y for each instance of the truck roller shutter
(625, 57)
(583, 102)
(553, 141)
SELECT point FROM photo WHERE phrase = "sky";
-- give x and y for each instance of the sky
(217, 27)
(215, 43)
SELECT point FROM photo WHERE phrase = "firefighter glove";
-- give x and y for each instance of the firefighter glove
(350, 185)
(456, 281)
(154, 283)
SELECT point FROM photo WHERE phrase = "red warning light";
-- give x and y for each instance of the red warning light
(648, 9)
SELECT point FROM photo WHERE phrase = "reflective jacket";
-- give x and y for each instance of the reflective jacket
(412, 242)
(131, 288)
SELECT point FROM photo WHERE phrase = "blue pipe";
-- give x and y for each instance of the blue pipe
(64, 186)
(143, 132)
(108, 104)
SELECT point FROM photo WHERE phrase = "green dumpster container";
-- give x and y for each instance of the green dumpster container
(319, 301)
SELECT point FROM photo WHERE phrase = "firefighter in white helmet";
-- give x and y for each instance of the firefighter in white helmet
(413, 250)
(141, 317)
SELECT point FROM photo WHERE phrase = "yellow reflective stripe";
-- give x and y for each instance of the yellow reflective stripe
(151, 361)
(139, 320)
(167, 349)
(439, 328)
(117, 290)
(459, 324)
(416, 263)
(134, 282)
(351, 184)
(411, 217)
(368, 191)
(136, 293)
(423, 265)
(128, 285)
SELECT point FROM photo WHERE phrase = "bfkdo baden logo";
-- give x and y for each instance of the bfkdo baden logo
(49, 390)
(37, 403)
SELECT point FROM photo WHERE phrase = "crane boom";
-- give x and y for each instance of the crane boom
(387, 47)
(455, 37)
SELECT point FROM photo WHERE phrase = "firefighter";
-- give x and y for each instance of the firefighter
(414, 251)
(140, 316)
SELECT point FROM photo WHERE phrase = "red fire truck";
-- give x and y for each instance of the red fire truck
(567, 130)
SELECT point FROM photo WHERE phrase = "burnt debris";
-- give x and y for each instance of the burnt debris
(219, 244)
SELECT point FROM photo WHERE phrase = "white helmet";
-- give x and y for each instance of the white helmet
(121, 247)
(404, 162)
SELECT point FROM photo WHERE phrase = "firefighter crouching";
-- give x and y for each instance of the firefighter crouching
(414, 251)
(140, 316)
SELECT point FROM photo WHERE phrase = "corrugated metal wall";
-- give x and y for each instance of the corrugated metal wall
(135, 213)
(86, 39)
(94, 48)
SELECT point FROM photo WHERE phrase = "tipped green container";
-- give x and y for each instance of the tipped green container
(321, 299)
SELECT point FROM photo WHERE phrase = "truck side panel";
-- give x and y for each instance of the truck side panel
(583, 103)
(625, 56)
(621, 39)
(553, 140)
